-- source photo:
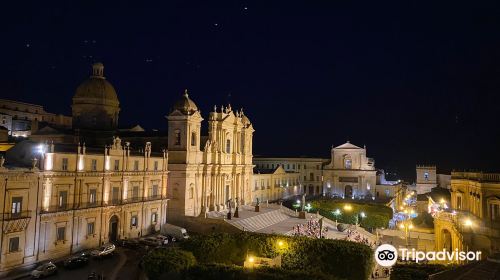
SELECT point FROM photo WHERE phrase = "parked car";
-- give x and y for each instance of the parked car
(76, 261)
(105, 250)
(129, 243)
(150, 241)
(44, 270)
(163, 239)
(175, 231)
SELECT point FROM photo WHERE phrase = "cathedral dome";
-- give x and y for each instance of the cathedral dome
(185, 105)
(96, 89)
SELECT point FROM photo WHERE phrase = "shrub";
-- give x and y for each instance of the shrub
(342, 227)
(167, 261)
(331, 257)
(218, 272)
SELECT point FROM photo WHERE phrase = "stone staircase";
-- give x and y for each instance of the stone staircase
(260, 221)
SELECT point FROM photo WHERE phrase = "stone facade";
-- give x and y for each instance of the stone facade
(350, 173)
(310, 171)
(473, 222)
(426, 178)
(209, 172)
(21, 119)
(275, 184)
(76, 198)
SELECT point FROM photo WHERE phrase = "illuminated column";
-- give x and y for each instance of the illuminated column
(125, 188)
(106, 190)
(47, 192)
(48, 161)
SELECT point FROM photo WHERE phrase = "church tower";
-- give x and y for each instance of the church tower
(184, 128)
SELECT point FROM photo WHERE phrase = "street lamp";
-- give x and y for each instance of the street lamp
(348, 207)
(406, 226)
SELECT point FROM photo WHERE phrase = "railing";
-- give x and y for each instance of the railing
(153, 197)
(57, 208)
(477, 176)
(15, 216)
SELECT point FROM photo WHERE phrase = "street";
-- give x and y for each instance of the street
(122, 265)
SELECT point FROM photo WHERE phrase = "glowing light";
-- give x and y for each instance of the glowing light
(347, 207)
(81, 163)
(41, 149)
(468, 223)
(251, 259)
(401, 226)
(337, 212)
(363, 214)
(410, 226)
(298, 201)
(280, 243)
(442, 200)
(49, 162)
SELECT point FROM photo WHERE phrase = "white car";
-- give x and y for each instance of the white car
(44, 270)
(105, 250)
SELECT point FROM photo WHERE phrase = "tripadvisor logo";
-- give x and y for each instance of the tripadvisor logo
(386, 255)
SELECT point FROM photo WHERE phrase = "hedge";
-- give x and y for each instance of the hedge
(219, 272)
(338, 258)
(167, 261)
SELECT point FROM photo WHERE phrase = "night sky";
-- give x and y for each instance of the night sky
(417, 82)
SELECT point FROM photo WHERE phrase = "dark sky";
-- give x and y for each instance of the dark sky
(416, 81)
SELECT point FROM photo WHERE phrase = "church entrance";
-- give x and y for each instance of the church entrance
(447, 245)
(348, 191)
(113, 228)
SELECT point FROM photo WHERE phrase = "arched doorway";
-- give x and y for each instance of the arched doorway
(348, 191)
(113, 228)
(447, 245)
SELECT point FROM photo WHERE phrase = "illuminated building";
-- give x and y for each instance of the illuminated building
(472, 221)
(76, 197)
(275, 184)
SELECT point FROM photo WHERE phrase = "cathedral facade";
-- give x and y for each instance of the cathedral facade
(208, 173)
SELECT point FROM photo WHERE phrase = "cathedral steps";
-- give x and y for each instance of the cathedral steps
(259, 221)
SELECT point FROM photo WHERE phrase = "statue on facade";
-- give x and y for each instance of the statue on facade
(303, 201)
(257, 205)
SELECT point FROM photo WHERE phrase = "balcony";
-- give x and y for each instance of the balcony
(57, 208)
(15, 222)
(16, 216)
(153, 197)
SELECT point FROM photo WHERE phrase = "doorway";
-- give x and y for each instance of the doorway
(113, 228)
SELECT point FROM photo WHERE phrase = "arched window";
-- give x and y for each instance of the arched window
(228, 146)
(193, 138)
(177, 137)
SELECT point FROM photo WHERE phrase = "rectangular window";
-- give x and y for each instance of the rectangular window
(311, 177)
(115, 195)
(117, 165)
(135, 192)
(156, 166)
(63, 199)
(154, 218)
(65, 164)
(133, 221)
(17, 206)
(94, 165)
(155, 191)
(92, 196)
(305, 178)
(256, 185)
(317, 178)
(136, 165)
(61, 233)
(288, 166)
(90, 228)
(13, 244)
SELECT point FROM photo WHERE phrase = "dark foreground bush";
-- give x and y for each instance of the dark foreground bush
(167, 261)
(223, 272)
(339, 258)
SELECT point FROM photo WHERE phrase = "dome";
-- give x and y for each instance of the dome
(96, 89)
(185, 105)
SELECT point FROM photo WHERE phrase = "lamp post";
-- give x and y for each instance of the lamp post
(406, 226)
